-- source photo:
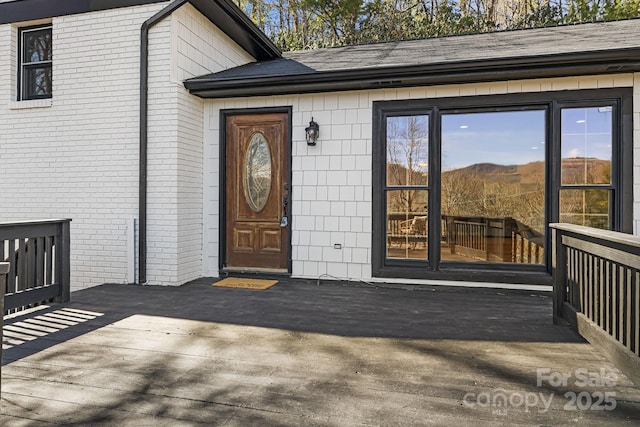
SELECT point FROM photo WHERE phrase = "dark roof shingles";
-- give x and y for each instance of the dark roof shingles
(453, 49)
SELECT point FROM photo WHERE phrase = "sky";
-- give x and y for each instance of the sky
(503, 138)
(518, 137)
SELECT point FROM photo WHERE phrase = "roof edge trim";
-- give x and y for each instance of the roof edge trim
(563, 65)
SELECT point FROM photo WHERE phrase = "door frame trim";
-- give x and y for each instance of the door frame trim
(222, 224)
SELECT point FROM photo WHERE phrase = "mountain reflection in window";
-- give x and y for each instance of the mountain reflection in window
(257, 173)
(492, 186)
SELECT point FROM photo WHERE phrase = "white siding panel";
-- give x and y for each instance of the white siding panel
(331, 188)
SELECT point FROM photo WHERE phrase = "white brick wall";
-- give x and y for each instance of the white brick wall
(182, 46)
(77, 156)
(331, 185)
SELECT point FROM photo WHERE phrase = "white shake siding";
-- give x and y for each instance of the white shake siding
(331, 185)
(76, 155)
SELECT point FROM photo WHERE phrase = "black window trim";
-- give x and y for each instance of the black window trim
(428, 187)
(615, 215)
(21, 95)
(552, 101)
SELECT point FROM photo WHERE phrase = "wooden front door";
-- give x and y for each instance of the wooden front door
(257, 191)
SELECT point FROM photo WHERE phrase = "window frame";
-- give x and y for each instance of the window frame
(552, 102)
(413, 262)
(22, 94)
(614, 217)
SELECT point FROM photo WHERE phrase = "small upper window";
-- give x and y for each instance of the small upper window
(35, 63)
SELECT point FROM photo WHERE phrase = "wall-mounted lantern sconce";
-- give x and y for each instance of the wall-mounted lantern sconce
(312, 132)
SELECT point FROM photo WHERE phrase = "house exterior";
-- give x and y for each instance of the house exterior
(173, 134)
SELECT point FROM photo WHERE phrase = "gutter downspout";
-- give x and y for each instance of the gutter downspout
(144, 108)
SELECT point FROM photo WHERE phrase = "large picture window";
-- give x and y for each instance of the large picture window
(35, 53)
(467, 187)
(492, 186)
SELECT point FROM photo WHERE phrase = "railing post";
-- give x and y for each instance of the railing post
(559, 273)
(65, 254)
(4, 269)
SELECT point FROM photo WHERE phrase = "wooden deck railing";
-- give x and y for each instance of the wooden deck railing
(501, 239)
(596, 277)
(38, 256)
(526, 249)
(470, 239)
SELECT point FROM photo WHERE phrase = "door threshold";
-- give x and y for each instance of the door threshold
(254, 270)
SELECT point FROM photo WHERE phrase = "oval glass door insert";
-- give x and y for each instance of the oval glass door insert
(257, 172)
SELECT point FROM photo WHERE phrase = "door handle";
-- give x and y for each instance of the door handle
(285, 219)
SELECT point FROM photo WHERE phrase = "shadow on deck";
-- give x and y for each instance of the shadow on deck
(302, 354)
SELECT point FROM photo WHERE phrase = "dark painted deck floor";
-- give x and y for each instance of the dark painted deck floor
(302, 354)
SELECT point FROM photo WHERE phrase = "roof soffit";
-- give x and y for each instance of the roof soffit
(30, 10)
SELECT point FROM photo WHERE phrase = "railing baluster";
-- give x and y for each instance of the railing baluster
(594, 289)
(589, 283)
(39, 244)
(609, 298)
(22, 268)
(571, 275)
(577, 279)
(57, 278)
(620, 310)
(614, 298)
(11, 279)
(31, 266)
(601, 287)
(49, 259)
(635, 314)
(581, 281)
(627, 308)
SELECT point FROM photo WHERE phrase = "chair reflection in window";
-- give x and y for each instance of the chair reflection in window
(415, 231)
(406, 231)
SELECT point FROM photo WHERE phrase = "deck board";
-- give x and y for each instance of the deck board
(296, 354)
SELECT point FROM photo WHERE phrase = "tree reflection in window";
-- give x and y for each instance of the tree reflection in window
(407, 183)
(407, 158)
(257, 173)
